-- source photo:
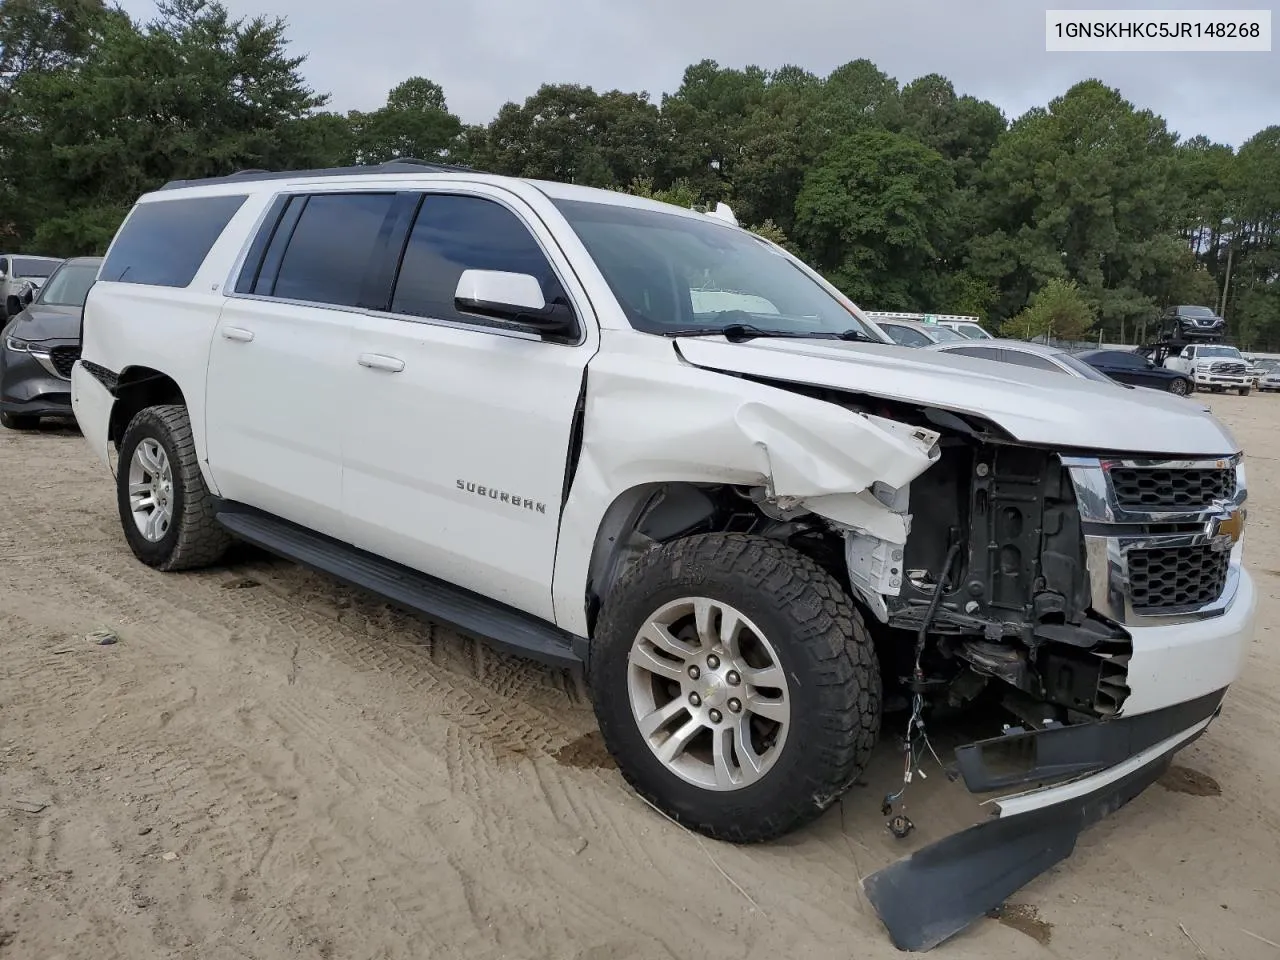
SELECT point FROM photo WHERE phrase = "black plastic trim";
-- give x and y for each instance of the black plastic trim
(1059, 753)
(470, 613)
(935, 893)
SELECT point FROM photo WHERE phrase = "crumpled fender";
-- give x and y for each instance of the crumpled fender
(650, 418)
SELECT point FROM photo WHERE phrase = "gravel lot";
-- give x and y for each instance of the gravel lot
(268, 765)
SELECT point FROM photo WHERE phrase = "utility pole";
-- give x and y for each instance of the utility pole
(1226, 281)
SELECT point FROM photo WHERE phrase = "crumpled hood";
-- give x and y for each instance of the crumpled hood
(1052, 410)
(46, 322)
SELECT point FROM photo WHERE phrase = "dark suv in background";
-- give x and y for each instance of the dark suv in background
(41, 345)
(1189, 322)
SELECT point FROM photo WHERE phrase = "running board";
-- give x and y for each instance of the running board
(512, 630)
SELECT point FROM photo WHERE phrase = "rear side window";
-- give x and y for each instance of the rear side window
(453, 234)
(905, 336)
(1029, 360)
(164, 242)
(327, 257)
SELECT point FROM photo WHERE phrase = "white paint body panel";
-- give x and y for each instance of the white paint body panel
(1058, 412)
(91, 403)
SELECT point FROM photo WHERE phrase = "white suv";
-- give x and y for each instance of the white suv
(601, 430)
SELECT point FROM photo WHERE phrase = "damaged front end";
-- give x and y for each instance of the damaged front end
(1024, 580)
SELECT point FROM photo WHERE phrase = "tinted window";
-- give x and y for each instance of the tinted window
(164, 242)
(453, 234)
(982, 353)
(1029, 360)
(1116, 358)
(904, 336)
(26, 267)
(4, 266)
(327, 256)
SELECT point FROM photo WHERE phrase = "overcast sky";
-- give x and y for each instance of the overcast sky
(486, 52)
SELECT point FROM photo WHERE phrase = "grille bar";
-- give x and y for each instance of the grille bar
(1138, 488)
(1173, 578)
(63, 359)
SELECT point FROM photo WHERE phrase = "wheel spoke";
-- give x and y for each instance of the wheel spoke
(139, 487)
(749, 762)
(662, 638)
(152, 531)
(722, 756)
(730, 628)
(654, 721)
(768, 708)
(771, 677)
(703, 613)
(646, 659)
(147, 451)
(676, 743)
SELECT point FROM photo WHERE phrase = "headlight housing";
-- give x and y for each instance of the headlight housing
(17, 345)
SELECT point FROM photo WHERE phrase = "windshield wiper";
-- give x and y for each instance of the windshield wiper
(742, 332)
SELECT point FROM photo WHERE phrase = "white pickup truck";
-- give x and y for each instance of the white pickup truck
(1214, 367)
(633, 439)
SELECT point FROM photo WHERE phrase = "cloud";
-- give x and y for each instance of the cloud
(487, 52)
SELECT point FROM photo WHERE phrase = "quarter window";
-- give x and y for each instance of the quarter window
(905, 336)
(328, 254)
(455, 233)
(164, 242)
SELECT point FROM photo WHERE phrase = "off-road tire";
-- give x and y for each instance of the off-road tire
(822, 645)
(17, 421)
(194, 538)
(1245, 391)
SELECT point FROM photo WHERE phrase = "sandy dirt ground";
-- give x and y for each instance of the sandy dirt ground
(267, 765)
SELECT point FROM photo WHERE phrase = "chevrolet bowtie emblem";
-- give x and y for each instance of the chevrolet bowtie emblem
(1230, 526)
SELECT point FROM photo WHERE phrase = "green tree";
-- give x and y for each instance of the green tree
(415, 122)
(873, 215)
(1058, 309)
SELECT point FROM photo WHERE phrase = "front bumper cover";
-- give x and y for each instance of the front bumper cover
(940, 889)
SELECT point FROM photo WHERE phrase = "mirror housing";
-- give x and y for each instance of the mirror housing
(515, 298)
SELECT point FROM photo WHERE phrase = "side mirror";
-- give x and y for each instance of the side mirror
(513, 297)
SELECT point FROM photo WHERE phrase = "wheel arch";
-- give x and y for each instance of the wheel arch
(136, 388)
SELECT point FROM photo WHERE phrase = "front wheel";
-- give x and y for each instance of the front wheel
(735, 685)
(1244, 391)
(165, 508)
(1180, 386)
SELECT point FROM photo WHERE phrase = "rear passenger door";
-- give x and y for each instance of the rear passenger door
(456, 429)
(280, 359)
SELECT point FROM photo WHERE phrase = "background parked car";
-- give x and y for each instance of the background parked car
(1268, 376)
(1041, 357)
(20, 278)
(41, 344)
(967, 329)
(1187, 321)
(1137, 370)
(910, 333)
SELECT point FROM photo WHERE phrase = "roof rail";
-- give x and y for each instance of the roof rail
(400, 165)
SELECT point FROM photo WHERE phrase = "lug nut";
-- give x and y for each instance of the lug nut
(694, 673)
(713, 662)
(735, 706)
(715, 716)
(695, 699)
(733, 678)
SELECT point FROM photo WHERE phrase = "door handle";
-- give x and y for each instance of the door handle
(237, 333)
(376, 361)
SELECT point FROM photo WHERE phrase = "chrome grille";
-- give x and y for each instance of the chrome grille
(1165, 489)
(1162, 537)
(1176, 578)
(63, 359)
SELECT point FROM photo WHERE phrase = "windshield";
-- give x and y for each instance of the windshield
(945, 335)
(971, 331)
(27, 267)
(1196, 311)
(1230, 352)
(674, 274)
(1082, 368)
(69, 286)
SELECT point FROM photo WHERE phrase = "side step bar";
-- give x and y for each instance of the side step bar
(509, 629)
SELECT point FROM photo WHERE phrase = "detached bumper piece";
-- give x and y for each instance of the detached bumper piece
(935, 893)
